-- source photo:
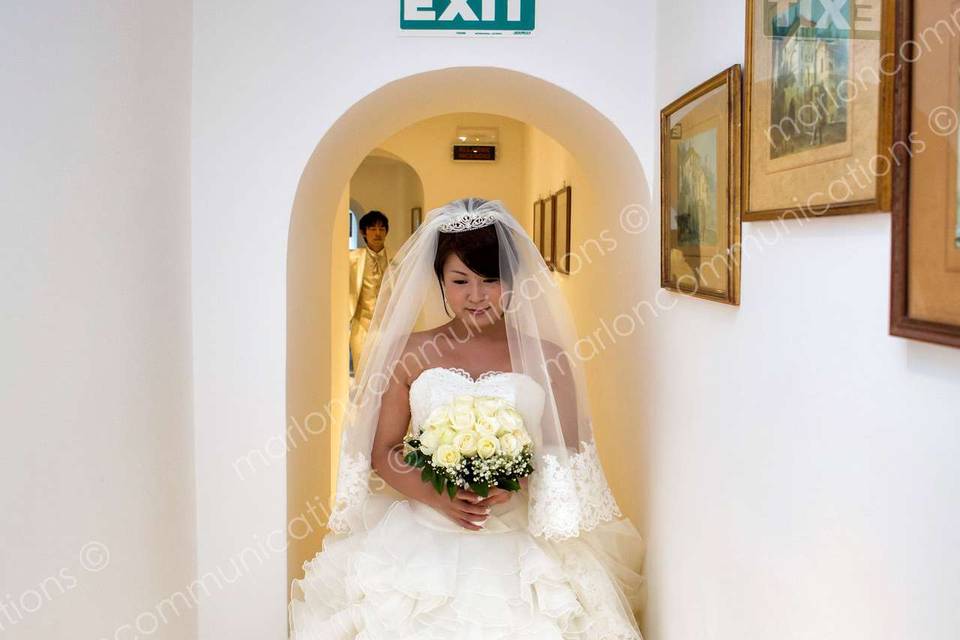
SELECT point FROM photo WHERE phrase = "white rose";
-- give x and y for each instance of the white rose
(509, 444)
(446, 455)
(439, 417)
(463, 402)
(463, 419)
(427, 428)
(510, 418)
(487, 426)
(447, 434)
(487, 446)
(503, 427)
(466, 442)
(523, 437)
(429, 440)
(488, 405)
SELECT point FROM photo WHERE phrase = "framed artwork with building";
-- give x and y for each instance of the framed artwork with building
(700, 190)
(818, 108)
(564, 215)
(925, 273)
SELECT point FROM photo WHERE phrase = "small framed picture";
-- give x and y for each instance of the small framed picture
(550, 231)
(538, 225)
(700, 190)
(925, 265)
(416, 218)
(564, 200)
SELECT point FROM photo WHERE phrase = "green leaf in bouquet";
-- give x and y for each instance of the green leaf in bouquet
(480, 488)
(510, 484)
(438, 482)
(427, 474)
(451, 490)
(411, 458)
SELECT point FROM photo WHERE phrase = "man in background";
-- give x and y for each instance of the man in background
(367, 266)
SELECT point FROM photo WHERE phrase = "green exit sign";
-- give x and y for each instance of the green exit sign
(467, 17)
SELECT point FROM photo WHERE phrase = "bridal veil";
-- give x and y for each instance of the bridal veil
(568, 490)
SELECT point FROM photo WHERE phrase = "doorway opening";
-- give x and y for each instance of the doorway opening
(555, 137)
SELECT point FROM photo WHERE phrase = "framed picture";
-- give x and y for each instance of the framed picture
(818, 109)
(564, 200)
(416, 218)
(538, 225)
(700, 190)
(549, 231)
(925, 278)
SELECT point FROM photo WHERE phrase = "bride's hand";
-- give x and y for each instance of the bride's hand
(464, 509)
(469, 508)
(496, 495)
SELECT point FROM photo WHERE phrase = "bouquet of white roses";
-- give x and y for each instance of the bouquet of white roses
(475, 442)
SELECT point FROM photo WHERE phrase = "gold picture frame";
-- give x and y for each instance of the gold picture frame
(818, 109)
(925, 264)
(550, 231)
(563, 221)
(538, 225)
(416, 218)
(700, 190)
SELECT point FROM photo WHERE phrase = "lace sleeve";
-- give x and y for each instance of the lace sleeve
(353, 487)
(569, 496)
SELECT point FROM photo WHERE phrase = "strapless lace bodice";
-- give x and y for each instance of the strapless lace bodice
(437, 386)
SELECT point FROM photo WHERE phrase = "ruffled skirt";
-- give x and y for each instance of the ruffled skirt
(415, 574)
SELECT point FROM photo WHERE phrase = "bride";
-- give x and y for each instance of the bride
(555, 559)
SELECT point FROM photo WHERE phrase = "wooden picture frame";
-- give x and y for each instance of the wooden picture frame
(816, 136)
(538, 225)
(925, 261)
(564, 218)
(700, 190)
(550, 231)
(416, 218)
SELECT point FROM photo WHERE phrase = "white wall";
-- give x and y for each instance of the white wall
(96, 462)
(805, 480)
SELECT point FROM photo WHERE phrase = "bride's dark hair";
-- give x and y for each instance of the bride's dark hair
(478, 248)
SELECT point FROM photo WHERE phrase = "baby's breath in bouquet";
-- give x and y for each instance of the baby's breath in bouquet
(474, 442)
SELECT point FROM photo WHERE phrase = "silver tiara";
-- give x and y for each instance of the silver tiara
(467, 222)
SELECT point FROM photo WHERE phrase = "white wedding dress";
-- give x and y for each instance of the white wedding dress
(413, 573)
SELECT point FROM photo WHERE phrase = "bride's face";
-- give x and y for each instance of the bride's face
(475, 299)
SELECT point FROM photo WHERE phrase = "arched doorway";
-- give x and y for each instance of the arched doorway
(608, 162)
